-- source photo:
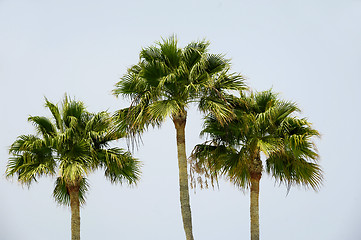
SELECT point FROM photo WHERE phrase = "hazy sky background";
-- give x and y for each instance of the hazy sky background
(309, 51)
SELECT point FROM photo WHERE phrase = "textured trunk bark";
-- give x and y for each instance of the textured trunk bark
(254, 208)
(75, 212)
(180, 123)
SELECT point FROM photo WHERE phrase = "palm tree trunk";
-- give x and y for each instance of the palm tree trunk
(180, 123)
(75, 212)
(254, 208)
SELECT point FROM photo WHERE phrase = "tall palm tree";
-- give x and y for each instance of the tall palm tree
(263, 126)
(166, 80)
(71, 145)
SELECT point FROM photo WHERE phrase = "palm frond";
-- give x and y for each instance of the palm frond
(237, 170)
(73, 170)
(212, 161)
(161, 109)
(43, 126)
(216, 63)
(150, 54)
(56, 114)
(228, 82)
(152, 72)
(61, 193)
(193, 52)
(119, 166)
(31, 158)
(290, 170)
(171, 54)
(217, 107)
(131, 84)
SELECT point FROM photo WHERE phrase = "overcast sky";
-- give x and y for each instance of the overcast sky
(309, 51)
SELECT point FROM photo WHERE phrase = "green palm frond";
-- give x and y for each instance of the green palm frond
(56, 114)
(73, 113)
(198, 72)
(120, 120)
(43, 125)
(31, 158)
(299, 126)
(28, 170)
(161, 109)
(263, 101)
(61, 193)
(97, 122)
(72, 170)
(119, 166)
(237, 169)
(170, 53)
(193, 52)
(286, 109)
(229, 82)
(291, 170)
(215, 63)
(131, 84)
(152, 72)
(101, 130)
(25, 143)
(132, 120)
(218, 107)
(269, 144)
(150, 54)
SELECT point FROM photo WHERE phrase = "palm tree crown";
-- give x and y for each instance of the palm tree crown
(71, 145)
(168, 78)
(263, 124)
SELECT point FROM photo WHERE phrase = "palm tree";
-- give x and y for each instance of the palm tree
(165, 82)
(263, 126)
(71, 145)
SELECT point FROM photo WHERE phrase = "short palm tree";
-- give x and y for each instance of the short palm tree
(71, 145)
(164, 83)
(263, 126)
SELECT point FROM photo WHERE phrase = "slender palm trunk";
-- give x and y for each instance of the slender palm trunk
(180, 123)
(254, 208)
(75, 212)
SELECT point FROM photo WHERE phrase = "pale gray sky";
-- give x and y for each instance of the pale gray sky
(309, 51)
